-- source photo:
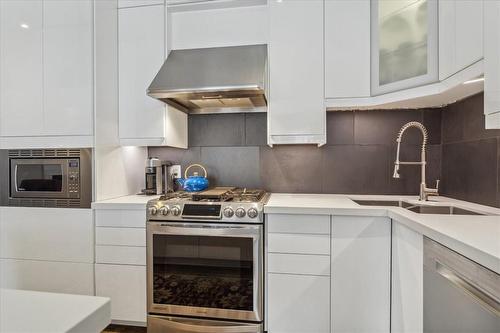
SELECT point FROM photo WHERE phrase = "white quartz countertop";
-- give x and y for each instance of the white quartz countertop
(135, 201)
(474, 236)
(39, 312)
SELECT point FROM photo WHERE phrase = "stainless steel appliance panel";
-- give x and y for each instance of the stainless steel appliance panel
(164, 324)
(47, 178)
(197, 258)
(460, 296)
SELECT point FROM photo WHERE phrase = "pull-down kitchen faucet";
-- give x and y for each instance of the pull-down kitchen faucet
(424, 190)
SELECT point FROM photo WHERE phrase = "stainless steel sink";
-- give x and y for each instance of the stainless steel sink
(378, 203)
(418, 208)
(446, 210)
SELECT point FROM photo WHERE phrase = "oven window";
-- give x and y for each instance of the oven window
(39, 177)
(201, 271)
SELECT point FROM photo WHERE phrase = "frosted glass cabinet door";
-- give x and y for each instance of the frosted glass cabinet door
(404, 44)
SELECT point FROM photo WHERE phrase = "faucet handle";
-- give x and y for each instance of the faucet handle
(437, 184)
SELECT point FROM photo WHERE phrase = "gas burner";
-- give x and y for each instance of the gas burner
(246, 195)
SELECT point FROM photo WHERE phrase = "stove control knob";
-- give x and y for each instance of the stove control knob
(176, 210)
(228, 212)
(153, 210)
(240, 212)
(164, 210)
(252, 213)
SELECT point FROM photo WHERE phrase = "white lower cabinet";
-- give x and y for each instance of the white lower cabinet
(298, 273)
(126, 286)
(48, 276)
(407, 280)
(47, 249)
(360, 283)
(120, 256)
(328, 274)
(298, 303)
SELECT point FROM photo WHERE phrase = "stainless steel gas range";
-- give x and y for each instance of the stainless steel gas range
(205, 261)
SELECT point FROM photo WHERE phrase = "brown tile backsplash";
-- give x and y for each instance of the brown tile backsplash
(358, 156)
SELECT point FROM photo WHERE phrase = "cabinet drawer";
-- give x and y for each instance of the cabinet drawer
(298, 224)
(120, 218)
(299, 244)
(120, 236)
(126, 286)
(298, 264)
(125, 255)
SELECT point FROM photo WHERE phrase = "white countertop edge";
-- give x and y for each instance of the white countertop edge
(342, 205)
(52, 312)
(486, 259)
(133, 202)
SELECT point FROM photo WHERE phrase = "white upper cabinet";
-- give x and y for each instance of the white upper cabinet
(404, 44)
(67, 56)
(21, 68)
(347, 48)
(492, 63)
(460, 35)
(46, 73)
(142, 49)
(296, 110)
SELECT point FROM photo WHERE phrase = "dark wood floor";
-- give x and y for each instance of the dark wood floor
(124, 329)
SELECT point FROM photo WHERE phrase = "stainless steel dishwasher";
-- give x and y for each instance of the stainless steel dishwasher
(460, 296)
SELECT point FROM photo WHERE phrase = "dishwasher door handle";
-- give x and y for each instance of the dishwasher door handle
(484, 299)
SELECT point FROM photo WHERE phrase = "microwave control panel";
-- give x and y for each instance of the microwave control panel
(74, 178)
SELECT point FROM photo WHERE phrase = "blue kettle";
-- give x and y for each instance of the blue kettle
(195, 182)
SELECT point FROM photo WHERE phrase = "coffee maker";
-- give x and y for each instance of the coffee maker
(156, 174)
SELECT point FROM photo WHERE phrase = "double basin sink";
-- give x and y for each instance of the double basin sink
(419, 208)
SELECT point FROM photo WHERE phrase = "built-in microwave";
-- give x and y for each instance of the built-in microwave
(50, 178)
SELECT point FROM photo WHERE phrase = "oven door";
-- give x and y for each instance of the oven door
(205, 270)
(38, 178)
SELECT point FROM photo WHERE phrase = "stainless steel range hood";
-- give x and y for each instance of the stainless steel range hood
(214, 80)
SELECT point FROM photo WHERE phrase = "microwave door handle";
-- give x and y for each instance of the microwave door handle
(482, 298)
(15, 179)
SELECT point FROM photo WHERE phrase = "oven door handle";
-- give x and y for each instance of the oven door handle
(205, 229)
(183, 327)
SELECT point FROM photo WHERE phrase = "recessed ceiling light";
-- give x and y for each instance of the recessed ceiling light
(24, 26)
(474, 80)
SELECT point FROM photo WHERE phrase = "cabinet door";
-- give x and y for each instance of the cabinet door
(296, 102)
(68, 67)
(492, 63)
(407, 280)
(298, 303)
(126, 286)
(460, 35)
(48, 276)
(361, 274)
(404, 44)
(141, 52)
(21, 72)
(347, 48)
(47, 234)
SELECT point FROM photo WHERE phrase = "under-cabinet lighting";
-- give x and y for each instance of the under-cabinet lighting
(474, 80)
